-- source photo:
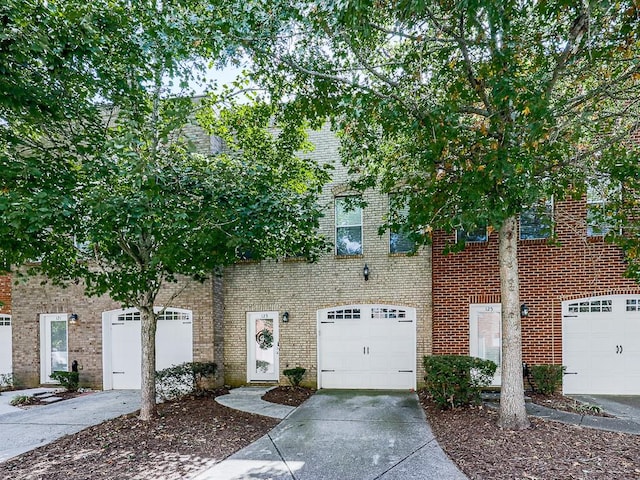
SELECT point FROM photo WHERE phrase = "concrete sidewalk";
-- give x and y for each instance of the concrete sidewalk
(344, 434)
(24, 430)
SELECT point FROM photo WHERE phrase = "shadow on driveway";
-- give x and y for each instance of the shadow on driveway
(24, 430)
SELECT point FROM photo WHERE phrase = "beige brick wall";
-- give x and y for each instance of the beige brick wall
(301, 288)
(32, 298)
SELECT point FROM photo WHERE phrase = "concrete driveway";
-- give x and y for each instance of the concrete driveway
(345, 435)
(625, 407)
(24, 430)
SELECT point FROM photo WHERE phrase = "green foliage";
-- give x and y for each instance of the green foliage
(547, 378)
(21, 400)
(587, 408)
(456, 380)
(6, 381)
(188, 378)
(69, 380)
(295, 375)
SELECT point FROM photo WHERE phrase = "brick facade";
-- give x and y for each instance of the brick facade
(301, 288)
(5, 294)
(32, 298)
(576, 266)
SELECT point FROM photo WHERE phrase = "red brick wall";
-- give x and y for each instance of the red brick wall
(5, 294)
(576, 267)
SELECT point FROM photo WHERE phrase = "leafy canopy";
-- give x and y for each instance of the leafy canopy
(472, 110)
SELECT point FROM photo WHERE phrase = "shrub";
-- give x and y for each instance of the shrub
(187, 378)
(20, 400)
(295, 375)
(69, 380)
(6, 381)
(547, 378)
(456, 380)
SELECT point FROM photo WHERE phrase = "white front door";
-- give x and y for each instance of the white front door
(367, 346)
(54, 349)
(6, 350)
(485, 334)
(601, 345)
(262, 346)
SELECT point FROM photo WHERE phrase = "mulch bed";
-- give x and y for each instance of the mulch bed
(188, 436)
(292, 396)
(546, 451)
(196, 432)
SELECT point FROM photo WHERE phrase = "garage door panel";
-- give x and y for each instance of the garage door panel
(174, 345)
(376, 350)
(601, 343)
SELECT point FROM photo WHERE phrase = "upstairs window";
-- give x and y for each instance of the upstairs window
(536, 222)
(399, 241)
(475, 235)
(597, 222)
(348, 226)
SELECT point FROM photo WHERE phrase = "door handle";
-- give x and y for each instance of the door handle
(621, 349)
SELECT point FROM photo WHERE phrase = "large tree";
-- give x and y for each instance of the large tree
(116, 193)
(472, 111)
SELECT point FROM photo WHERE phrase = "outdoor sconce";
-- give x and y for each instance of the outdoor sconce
(285, 317)
(524, 310)
(365, 272)
(73, 318)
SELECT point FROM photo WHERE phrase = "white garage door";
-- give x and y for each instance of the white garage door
(601, 345)
(6, 367)
(122, 345)
(367, 347)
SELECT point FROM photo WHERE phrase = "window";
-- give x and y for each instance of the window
(478, 234)
(587, 306)
(633, 304)
(597, 224)
(347, 313)
(348, 226)
(399, 241)
(536, 222)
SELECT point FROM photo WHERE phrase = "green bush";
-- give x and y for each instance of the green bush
(295, 375)
(187, 378)
(69, 380)
(6, 381)
(547, 378)
(456, 380)
(20, 400)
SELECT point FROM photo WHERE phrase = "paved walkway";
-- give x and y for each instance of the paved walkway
(339, 434)
(24, 430)
(248, 399)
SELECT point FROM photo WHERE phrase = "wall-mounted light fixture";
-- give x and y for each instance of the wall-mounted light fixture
(73, 319)
(285, 317)
(365, 272)
(524, 310)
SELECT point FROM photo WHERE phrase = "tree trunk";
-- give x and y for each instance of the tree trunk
(148, 338)
(512, 414)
